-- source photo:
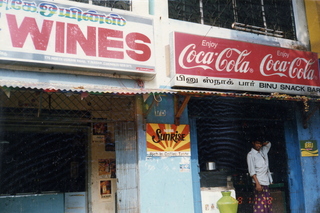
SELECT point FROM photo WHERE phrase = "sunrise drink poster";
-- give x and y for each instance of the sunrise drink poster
(165, 140)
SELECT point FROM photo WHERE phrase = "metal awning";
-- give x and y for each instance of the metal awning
(92, 84)
(75, 83)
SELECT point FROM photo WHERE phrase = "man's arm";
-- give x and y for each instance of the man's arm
(252, 172)
(258, 186)
(266, 146)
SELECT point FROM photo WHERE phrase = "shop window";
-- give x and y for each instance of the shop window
(122, 4)
(44, 137)
(38, 159)
(265, 17)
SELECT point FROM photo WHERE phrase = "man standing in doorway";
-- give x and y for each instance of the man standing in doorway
(258, 167)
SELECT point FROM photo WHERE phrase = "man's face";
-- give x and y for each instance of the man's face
(257, 145)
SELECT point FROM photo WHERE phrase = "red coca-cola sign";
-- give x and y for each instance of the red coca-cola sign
(215, 58)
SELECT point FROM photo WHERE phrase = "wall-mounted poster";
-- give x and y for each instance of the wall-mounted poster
(107, 168)
(101, 134)
(165, 140)
(98, 132)
(99, 128)
(309, 148)
(105, 189)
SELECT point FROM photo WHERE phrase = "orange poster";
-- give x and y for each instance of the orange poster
(165, 140)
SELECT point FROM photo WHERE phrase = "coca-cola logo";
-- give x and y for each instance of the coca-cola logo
(299, 68)
(229, 59)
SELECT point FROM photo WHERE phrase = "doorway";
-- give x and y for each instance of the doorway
(225, 130)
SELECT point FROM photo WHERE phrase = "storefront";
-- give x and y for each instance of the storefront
(227, 121)
(53, 144)
(104, 110)
(70, 77)
(225, 129)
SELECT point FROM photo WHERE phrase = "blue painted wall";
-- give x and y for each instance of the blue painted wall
(303, 176)
(163, 187)
(295, 184)
(195, 167)
(310, 165)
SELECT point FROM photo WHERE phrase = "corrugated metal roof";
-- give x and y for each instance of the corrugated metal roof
(51, 82)
(52, 87)
(81, 88)
(75, 83)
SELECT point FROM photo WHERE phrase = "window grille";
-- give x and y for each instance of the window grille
(121, 4)
(267, 17)
(44, 137)
(68, 107)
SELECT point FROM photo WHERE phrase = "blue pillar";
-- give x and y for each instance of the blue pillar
(163, 186)
(309, 165)
(295, 186)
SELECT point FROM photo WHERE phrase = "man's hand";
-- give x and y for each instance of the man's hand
(258, 187)
(265, 143)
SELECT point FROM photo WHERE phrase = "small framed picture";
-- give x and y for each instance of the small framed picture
(106, 190)
(107, 168)
(99, 128)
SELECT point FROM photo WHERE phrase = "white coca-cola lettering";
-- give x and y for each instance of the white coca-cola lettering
(224, 62)
(191, 55)
(267, 64)
(299, 68)
(230, 59)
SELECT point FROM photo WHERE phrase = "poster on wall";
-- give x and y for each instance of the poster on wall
(99, 128)
(98, 132)
(101, 134)
(107, 168)
(164, 140)
(105, 189)
(309, 148)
